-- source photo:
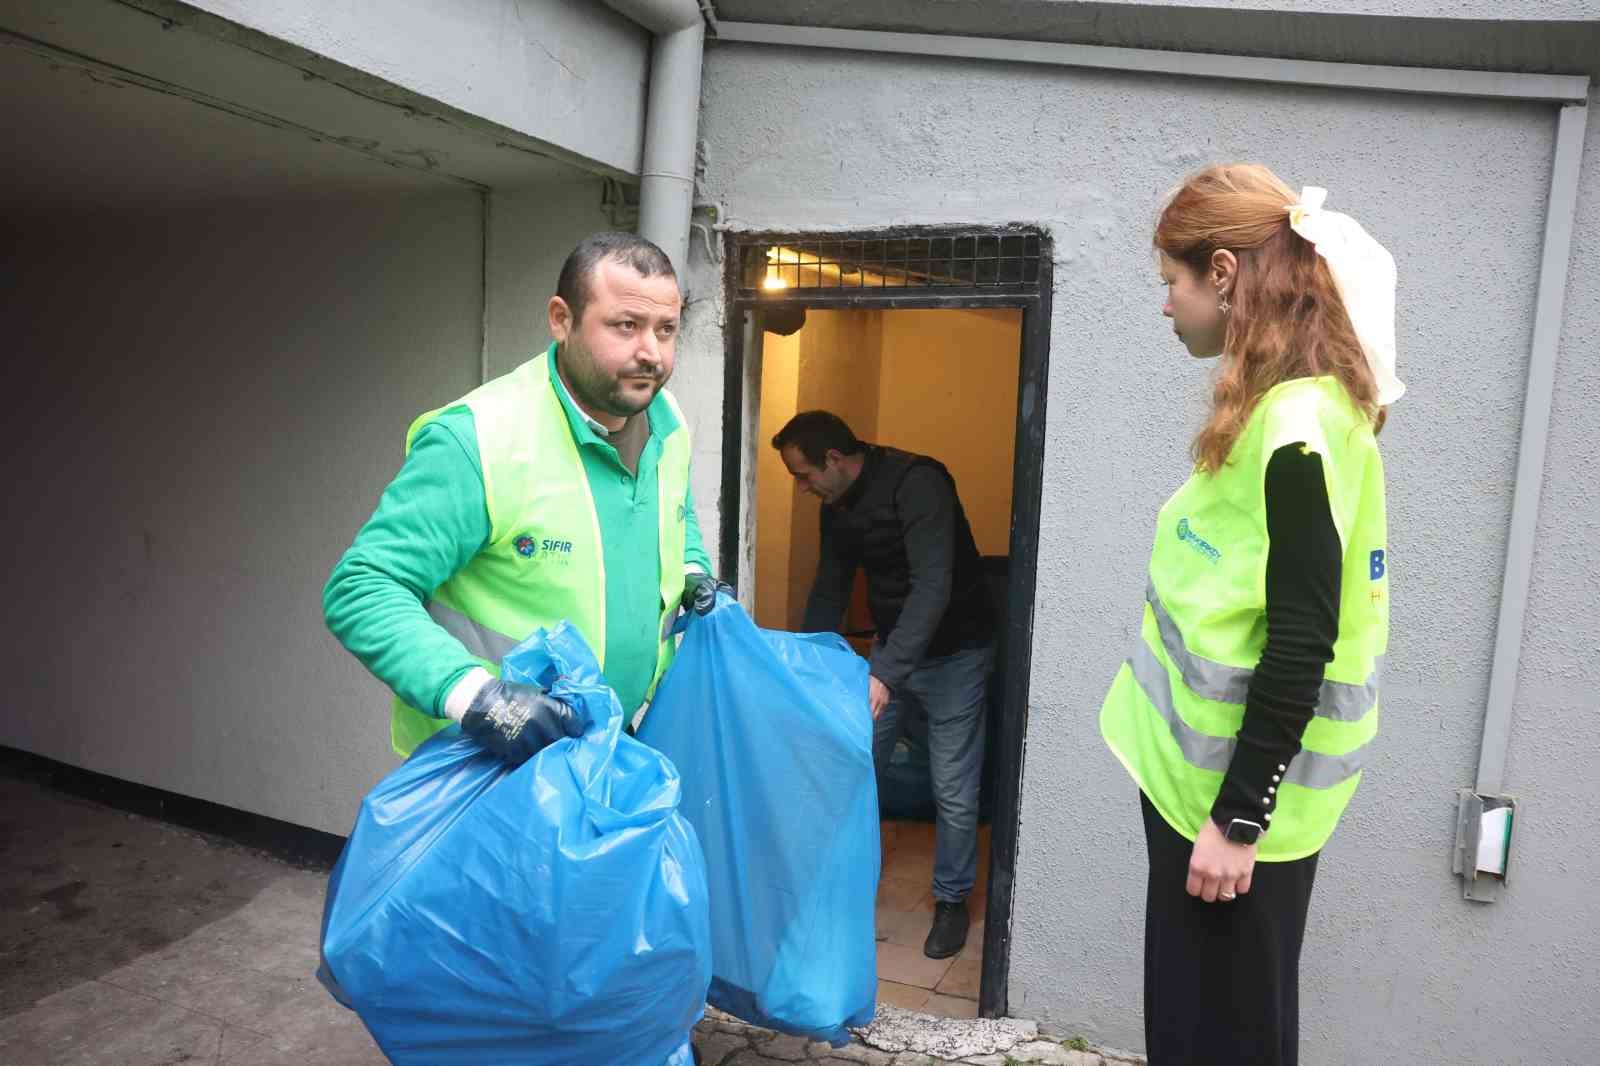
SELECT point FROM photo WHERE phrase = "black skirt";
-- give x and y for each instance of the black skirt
(1221, 980)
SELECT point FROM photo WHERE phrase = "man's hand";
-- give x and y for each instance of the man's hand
(700, 592)
(1219, 869)
(877, 696)
(516, 721)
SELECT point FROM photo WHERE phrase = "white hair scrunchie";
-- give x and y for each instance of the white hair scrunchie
(1364, 272)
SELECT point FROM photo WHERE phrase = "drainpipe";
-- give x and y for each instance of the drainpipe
(672, 121)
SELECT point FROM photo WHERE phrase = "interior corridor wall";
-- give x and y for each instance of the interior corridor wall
(841, 364)
(776, 491)
(1398, 968)
(949, 390)
(946, 387)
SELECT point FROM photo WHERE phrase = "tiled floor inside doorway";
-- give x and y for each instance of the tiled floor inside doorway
(907, 977)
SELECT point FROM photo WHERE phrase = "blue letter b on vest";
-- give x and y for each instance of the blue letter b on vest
(1379, 568)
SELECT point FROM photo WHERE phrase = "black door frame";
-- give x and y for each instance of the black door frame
(1027, 485)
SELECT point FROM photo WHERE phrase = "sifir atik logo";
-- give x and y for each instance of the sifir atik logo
(1197, 542)
(528, 546)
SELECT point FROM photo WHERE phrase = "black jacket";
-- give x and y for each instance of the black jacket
(903, 523)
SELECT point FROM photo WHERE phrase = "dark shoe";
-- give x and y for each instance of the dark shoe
(949, 932)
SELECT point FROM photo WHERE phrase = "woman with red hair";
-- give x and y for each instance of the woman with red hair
(1251, 700)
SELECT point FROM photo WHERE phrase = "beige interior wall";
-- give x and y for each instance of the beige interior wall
(941, 383)
(775, 489)
(950, 391)
(840, 367)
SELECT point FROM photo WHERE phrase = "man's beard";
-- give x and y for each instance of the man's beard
(592, 388)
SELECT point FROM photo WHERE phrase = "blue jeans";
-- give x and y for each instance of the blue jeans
(950, 691)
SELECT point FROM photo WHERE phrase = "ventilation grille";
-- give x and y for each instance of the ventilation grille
(774, 268)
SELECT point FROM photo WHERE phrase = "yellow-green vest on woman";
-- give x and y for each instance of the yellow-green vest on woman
(1175, 707)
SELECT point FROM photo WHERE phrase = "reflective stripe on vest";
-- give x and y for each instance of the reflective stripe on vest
(483, 642)
(1309, 769)
(476, 637)
(1338, 700)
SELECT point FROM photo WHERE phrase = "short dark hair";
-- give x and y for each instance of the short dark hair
(816, 433)
(576, 282)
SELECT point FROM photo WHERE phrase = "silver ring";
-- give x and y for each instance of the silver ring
(1226, 895)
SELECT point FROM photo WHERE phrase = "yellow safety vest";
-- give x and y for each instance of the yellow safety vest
(540, 566)
(1175, 707)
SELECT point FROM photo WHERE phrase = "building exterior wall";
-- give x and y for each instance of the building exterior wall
(1398, 968)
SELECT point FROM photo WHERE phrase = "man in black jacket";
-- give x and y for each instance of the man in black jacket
(897, 516)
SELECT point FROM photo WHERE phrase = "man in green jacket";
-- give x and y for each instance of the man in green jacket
(558, 492)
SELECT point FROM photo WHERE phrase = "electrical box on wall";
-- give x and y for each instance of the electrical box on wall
(1483, 844)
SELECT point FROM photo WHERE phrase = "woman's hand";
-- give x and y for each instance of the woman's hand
(1218, 868)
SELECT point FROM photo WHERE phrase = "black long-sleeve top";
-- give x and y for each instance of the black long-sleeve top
(926, 505)
(942, 610)
(1304, 563)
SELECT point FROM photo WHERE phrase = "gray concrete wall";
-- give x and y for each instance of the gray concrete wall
(223, 307)
(206, 406)
(839, 12)
(570, 74)
(531, 231)
(1440, 9)
(1551, 36)
(1398, 968)
(214, 400)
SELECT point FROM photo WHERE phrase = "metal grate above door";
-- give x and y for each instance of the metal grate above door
(775, 268)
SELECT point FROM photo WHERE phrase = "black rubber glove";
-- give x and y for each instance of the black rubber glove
(700, 592)
(516, 722)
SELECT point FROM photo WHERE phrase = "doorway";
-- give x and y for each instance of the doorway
(936, 343)
(925, 381)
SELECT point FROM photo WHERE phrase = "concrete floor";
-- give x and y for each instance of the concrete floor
(128, 941)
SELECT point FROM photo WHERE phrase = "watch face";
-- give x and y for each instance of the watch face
(1241, 831)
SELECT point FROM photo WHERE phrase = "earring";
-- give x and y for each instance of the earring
(1222, 303)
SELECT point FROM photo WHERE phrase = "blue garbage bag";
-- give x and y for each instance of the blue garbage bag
(773, 736)
(549, 915)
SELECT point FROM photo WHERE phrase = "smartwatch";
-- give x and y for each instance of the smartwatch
(1243, 831)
